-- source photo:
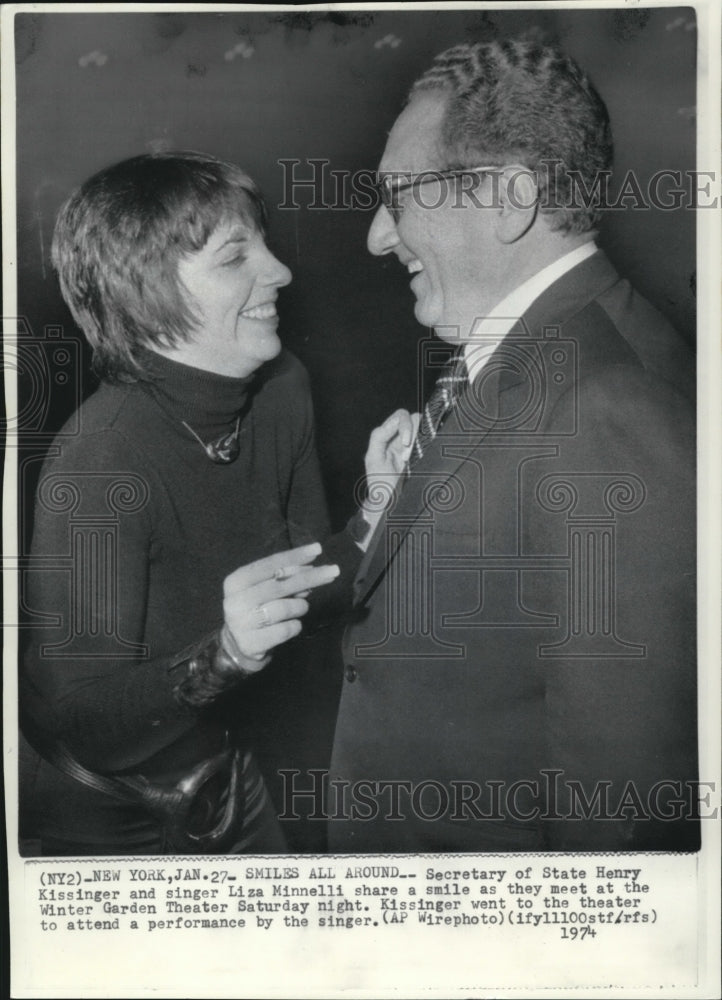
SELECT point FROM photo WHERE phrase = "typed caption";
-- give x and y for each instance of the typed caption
(578, 900)
(597, 919)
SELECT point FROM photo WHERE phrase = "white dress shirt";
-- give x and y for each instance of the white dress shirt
(489, 332)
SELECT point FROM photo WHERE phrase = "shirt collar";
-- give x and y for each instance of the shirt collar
(489, 332)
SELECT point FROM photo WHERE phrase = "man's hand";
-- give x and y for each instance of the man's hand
(264, 601)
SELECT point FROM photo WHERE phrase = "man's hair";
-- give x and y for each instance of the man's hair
(524, 102)
(118, 240)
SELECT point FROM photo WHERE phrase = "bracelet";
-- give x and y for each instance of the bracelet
(210, 669)
(201, 684)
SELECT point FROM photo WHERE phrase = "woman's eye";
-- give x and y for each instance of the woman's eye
(238, 258)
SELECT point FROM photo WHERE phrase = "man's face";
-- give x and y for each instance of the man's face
(446, 243)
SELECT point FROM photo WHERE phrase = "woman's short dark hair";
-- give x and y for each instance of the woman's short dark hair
(118, 240)
(520, 101)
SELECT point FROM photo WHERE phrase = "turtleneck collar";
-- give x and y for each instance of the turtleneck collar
(209, 402)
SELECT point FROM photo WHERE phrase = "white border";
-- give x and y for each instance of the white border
(709, 252)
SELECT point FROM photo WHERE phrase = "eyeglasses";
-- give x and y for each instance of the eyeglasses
(391, 185)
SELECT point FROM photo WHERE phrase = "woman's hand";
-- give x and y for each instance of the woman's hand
(386, 459)
(390, 445)
(264, 601)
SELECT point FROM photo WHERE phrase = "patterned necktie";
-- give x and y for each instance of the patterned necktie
(448, 388)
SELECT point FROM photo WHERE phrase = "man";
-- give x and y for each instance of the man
(520, 673)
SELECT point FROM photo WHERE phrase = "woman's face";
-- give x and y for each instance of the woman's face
(232, 285)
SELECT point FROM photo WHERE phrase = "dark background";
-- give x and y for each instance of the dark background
(93, 89)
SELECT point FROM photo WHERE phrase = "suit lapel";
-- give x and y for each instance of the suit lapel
(500, 392)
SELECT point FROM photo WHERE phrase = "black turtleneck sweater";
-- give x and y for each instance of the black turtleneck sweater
(136, 498)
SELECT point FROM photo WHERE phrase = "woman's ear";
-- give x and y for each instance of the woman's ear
(518, 195)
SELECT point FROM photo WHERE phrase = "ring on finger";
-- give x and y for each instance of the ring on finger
(281, 574)
(262, 616)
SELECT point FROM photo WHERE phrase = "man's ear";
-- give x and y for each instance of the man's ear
(518, 196)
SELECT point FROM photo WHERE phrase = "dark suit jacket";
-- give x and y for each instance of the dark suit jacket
(521, 671)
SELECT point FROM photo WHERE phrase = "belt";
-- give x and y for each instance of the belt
(199, 814)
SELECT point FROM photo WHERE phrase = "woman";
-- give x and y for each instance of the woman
(195, 457)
